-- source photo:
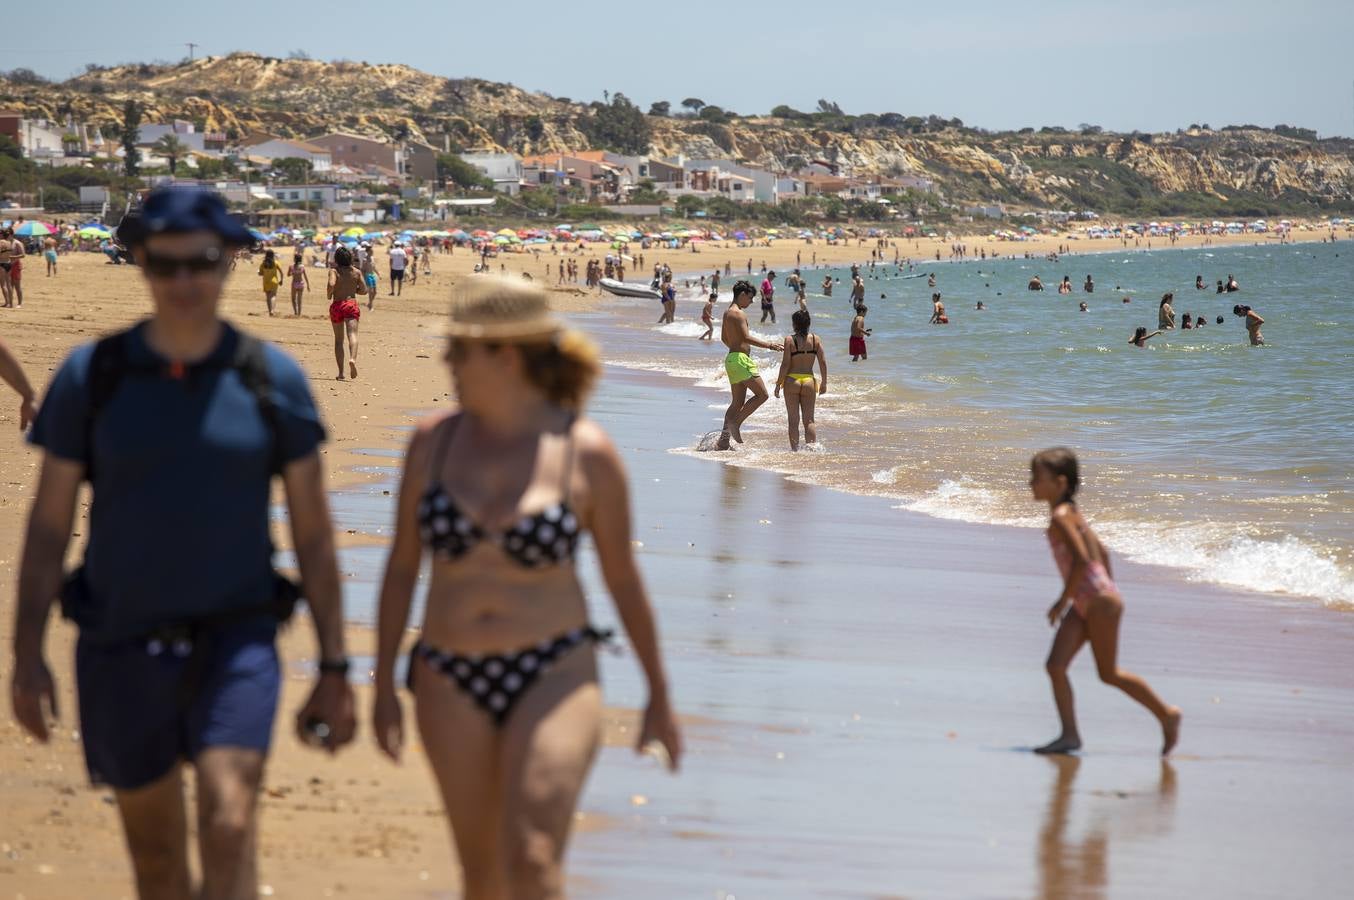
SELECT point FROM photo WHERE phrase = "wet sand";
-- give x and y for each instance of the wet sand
(878, 679)
(860, 684)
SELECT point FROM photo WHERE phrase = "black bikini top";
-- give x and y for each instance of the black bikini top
(811, 350)
(549, 537)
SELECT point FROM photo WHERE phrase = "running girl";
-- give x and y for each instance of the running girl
(300, 282)
(271, 272)
(1096, 606)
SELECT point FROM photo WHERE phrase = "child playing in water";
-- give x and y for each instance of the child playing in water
(707, 316)
(1096, 606)
(856, 346)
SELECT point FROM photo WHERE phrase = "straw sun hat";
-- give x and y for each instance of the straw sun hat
(497, 309)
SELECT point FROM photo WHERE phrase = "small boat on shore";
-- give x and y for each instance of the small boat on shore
(622, 289)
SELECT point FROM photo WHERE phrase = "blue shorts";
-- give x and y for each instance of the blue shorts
(370, 279)
(136, 722)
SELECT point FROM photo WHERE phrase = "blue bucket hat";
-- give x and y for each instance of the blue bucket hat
(177, 209)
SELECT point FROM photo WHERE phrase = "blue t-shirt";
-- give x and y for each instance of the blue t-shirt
(182, 471)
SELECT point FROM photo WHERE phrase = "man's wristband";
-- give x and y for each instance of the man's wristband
(334, 666)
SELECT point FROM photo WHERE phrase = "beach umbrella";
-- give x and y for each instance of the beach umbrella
(502, 239)
(459, 235)
(354, 231)
(740, 235)
(32, 229)
(94, 231)
(578, 228)
(348, 238)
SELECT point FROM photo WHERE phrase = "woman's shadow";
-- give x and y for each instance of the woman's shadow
(1077, 865)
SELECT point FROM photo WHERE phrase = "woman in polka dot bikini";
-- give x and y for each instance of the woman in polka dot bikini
(504, 675)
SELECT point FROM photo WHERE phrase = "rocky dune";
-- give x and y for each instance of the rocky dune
(244, 92)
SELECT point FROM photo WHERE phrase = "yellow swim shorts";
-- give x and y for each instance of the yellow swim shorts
(740, 367)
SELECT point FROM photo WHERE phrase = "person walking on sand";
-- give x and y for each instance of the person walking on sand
(708, 316)
(271, 272)
(49, 253)
(739, 366)
(504, 673)
(858, 334)
(1253, 323)
(398, 260)
(801, 350)
(300, 282)
(769, 297)
(345, 283)
(176, 603)
(1089, 607)
(12, 373)
(11, 268)
(370, 278)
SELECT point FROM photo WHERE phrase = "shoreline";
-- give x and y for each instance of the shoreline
(632, 342)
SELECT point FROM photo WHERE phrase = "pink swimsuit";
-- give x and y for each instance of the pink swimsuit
(1095, 583)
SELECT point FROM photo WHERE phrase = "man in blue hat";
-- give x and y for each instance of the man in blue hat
(179, 424)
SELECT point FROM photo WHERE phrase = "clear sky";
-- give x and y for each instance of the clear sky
(1121, 65)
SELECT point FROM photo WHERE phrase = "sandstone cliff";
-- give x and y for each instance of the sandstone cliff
(299, 98)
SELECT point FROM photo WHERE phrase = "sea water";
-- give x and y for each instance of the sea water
(1198, 451)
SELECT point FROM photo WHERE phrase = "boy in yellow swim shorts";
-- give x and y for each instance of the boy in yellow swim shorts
(741, 369)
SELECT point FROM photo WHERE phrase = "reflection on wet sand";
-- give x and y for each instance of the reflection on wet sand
(1071, 867)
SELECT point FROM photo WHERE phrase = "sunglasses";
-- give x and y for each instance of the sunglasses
(161, 266)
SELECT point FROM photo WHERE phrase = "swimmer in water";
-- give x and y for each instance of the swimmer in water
(1199, 283)
(981, 306)
(1186, 323)
(1066, 286)
(1089, 286)
(1083, 307)
(1253, 323)
(1141, 337)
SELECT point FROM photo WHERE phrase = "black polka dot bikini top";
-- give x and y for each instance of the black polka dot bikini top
(549, 537)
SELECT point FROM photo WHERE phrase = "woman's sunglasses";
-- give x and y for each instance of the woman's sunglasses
(161, 266)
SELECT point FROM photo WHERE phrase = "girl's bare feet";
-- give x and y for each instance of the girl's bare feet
(1061, 745)
(352, 369)
(1170, 730)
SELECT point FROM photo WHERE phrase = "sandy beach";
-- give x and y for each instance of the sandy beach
(859, 683)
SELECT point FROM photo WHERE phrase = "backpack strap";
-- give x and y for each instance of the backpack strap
(251, 363)
(107, 366)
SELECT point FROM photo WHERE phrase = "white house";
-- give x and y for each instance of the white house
(321, 196)
(504, 169)
(763, 188)
(284, 148)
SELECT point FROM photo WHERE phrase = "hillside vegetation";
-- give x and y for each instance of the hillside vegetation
(1195, 171)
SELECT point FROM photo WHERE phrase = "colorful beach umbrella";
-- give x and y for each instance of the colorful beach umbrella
(354, 231)
(32, 229)
(94, 231)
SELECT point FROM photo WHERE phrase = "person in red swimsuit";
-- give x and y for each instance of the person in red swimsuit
(1096, 606)
(345, 283)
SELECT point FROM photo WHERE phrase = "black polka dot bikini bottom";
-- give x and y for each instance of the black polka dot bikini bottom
(497, 681)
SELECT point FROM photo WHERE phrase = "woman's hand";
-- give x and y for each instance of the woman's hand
(777, 390)
(1055, 612)
(660, 724)
(822, 388)
(387, 721)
